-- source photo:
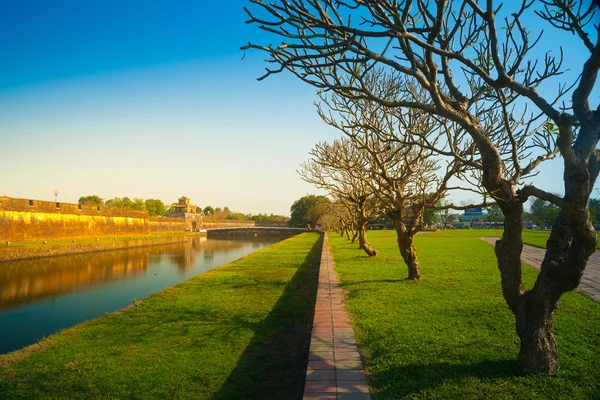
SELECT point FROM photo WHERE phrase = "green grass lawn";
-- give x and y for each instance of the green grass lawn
(451, 336)
(532, 237)
(241, 331)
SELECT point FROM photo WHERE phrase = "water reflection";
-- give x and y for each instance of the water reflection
(59, 290)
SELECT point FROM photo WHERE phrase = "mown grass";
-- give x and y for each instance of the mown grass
(451, 336)
(532, 237)
(240, 331)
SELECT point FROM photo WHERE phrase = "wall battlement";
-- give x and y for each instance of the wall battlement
(25, 205)
(24, 220)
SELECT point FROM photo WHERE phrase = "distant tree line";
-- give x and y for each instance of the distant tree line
(155, 207)
(270, 219)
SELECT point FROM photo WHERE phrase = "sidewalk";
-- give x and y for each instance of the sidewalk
(590, 282)
(335, 370)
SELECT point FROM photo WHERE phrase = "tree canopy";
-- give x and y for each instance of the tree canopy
(478, 68)
(302, 205)
(155, 207)
(92, 200)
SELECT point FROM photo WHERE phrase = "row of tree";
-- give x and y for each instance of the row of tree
(156, 207)
(472, 83)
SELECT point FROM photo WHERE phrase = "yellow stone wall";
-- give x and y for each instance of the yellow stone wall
(27, 220)
(18, 226)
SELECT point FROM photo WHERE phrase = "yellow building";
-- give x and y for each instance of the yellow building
(183, 207)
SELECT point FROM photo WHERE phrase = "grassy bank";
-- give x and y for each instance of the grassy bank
(451, 336)
(240, 331)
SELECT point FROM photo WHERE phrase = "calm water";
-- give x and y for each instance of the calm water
(40, 297)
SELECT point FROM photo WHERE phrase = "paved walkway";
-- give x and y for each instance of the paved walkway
(590, 282)
(335, 370)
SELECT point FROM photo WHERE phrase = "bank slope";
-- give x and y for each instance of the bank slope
(238, 331)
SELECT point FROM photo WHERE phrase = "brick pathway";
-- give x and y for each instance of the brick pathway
(590, 282)
(334, 370)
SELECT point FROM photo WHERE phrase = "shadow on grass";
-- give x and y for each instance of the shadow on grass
(413, 379)
(273, 366)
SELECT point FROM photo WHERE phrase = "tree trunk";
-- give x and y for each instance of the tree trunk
(363, 242)
(508, 252)
(535, 327)
(571, 243)
(408, 250)
(354, 235)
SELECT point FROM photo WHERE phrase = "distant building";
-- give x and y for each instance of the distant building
(184, 209)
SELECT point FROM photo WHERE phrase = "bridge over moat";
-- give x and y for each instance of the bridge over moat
(254, 231)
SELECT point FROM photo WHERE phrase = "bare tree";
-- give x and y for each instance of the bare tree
(340, 168)
(474, 62)
(403, 172)
(345, 219)
(326, 216)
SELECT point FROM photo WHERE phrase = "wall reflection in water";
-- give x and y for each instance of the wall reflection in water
(40, 297)
(33, 280)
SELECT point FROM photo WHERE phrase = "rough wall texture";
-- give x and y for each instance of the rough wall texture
(161, 224)
(24, 220)
(11, 204)
(28, 220)
(218, 224)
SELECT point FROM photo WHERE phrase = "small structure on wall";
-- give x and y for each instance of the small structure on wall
(184, 209)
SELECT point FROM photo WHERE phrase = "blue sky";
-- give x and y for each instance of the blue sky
(151, 99)
(147, 100)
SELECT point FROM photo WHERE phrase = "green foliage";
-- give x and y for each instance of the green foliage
(240, 331)
(301, 206)
(429, 217)
(208, 210)
(594, 206)
(155, 207)
(317, 213)
(125, 202)
(91, 200)
(264, 218)
(128, 203)
(543, 213)
(114, 203)
(537, 210)
(493, 214)
(451, 335)
(139, 204)
(237, 216)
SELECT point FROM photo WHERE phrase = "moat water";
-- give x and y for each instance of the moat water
(42, 296)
